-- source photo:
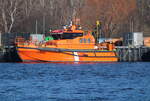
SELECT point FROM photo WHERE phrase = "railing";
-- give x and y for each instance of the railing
(19, 41)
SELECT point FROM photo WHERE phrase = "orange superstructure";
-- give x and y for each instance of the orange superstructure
(69, 45)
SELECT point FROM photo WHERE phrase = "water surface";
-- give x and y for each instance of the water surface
(75, 82)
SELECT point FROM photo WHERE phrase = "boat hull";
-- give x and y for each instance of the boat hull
(52, 55)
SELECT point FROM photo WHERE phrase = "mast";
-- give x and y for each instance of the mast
(98, 31)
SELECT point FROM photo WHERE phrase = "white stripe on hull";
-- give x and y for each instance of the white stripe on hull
(76, 57)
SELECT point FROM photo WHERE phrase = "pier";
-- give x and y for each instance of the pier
(133, 54)
(8, 52)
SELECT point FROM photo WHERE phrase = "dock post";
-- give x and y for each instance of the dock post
(140, 54)
(121, 55)
(0, 39)
(125, 54)
(129, 54)
(135, 52)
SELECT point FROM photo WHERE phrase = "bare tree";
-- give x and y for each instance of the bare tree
(111, 13)
(9, 12)
(21, 15)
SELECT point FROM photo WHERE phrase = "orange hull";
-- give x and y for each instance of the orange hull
(33, 54)
(72, 45)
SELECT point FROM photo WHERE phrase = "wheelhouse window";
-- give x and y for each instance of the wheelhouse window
(71, 35)
(81, 40)
(66, 36)
(89, 40)
(84, 40)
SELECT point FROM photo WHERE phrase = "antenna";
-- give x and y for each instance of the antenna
(36, 25)
(70, 23)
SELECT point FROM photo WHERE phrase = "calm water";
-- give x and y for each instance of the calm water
(75, 82)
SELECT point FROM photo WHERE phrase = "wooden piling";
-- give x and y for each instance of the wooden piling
(132, 54)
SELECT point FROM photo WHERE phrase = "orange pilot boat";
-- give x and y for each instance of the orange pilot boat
(67, 45)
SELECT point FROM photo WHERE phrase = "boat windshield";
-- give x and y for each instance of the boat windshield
(67, 36)
(71, 35)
